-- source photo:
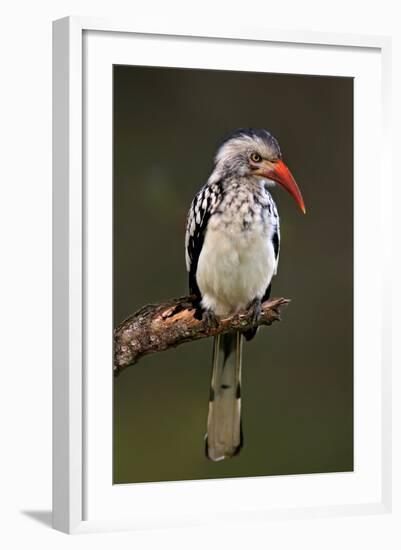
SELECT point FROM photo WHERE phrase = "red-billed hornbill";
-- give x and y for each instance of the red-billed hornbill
(232, 248)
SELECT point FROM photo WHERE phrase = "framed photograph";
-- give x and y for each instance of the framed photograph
(207, 185)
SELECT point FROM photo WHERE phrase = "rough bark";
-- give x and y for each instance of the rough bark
(158, 327)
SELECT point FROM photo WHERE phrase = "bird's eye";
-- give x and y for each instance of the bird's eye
(255, 157)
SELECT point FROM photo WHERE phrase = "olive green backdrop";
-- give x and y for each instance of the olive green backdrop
(298, 374)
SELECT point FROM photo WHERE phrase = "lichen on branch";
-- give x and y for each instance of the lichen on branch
(158, 327)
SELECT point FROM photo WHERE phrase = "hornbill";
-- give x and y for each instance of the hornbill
(232, 249)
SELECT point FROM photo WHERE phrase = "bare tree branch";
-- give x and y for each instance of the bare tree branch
(158, 327)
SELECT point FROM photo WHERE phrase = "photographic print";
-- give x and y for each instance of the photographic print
(232, 209)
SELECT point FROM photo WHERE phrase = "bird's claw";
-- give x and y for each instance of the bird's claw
(210, 319)
(255, 309)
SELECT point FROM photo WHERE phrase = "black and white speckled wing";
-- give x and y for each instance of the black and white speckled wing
(276, 235)
(203, 206)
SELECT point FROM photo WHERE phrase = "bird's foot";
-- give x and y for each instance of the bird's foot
(255, 309)
(210, 319)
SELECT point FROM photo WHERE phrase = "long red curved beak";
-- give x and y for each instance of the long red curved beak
(281, 174)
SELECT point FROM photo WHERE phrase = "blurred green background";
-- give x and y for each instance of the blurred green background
(298, 374)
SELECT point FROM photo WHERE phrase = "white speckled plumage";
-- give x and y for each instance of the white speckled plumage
(237, 261)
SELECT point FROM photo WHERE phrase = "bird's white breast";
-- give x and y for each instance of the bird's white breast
(235, 265)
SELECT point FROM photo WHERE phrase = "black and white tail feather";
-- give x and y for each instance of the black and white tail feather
(224, 431)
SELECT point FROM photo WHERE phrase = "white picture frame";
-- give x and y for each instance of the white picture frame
(83, 49)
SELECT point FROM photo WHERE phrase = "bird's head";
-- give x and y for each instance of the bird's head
(253, 152)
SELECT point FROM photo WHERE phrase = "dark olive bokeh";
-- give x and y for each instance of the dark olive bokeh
(298, 374)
